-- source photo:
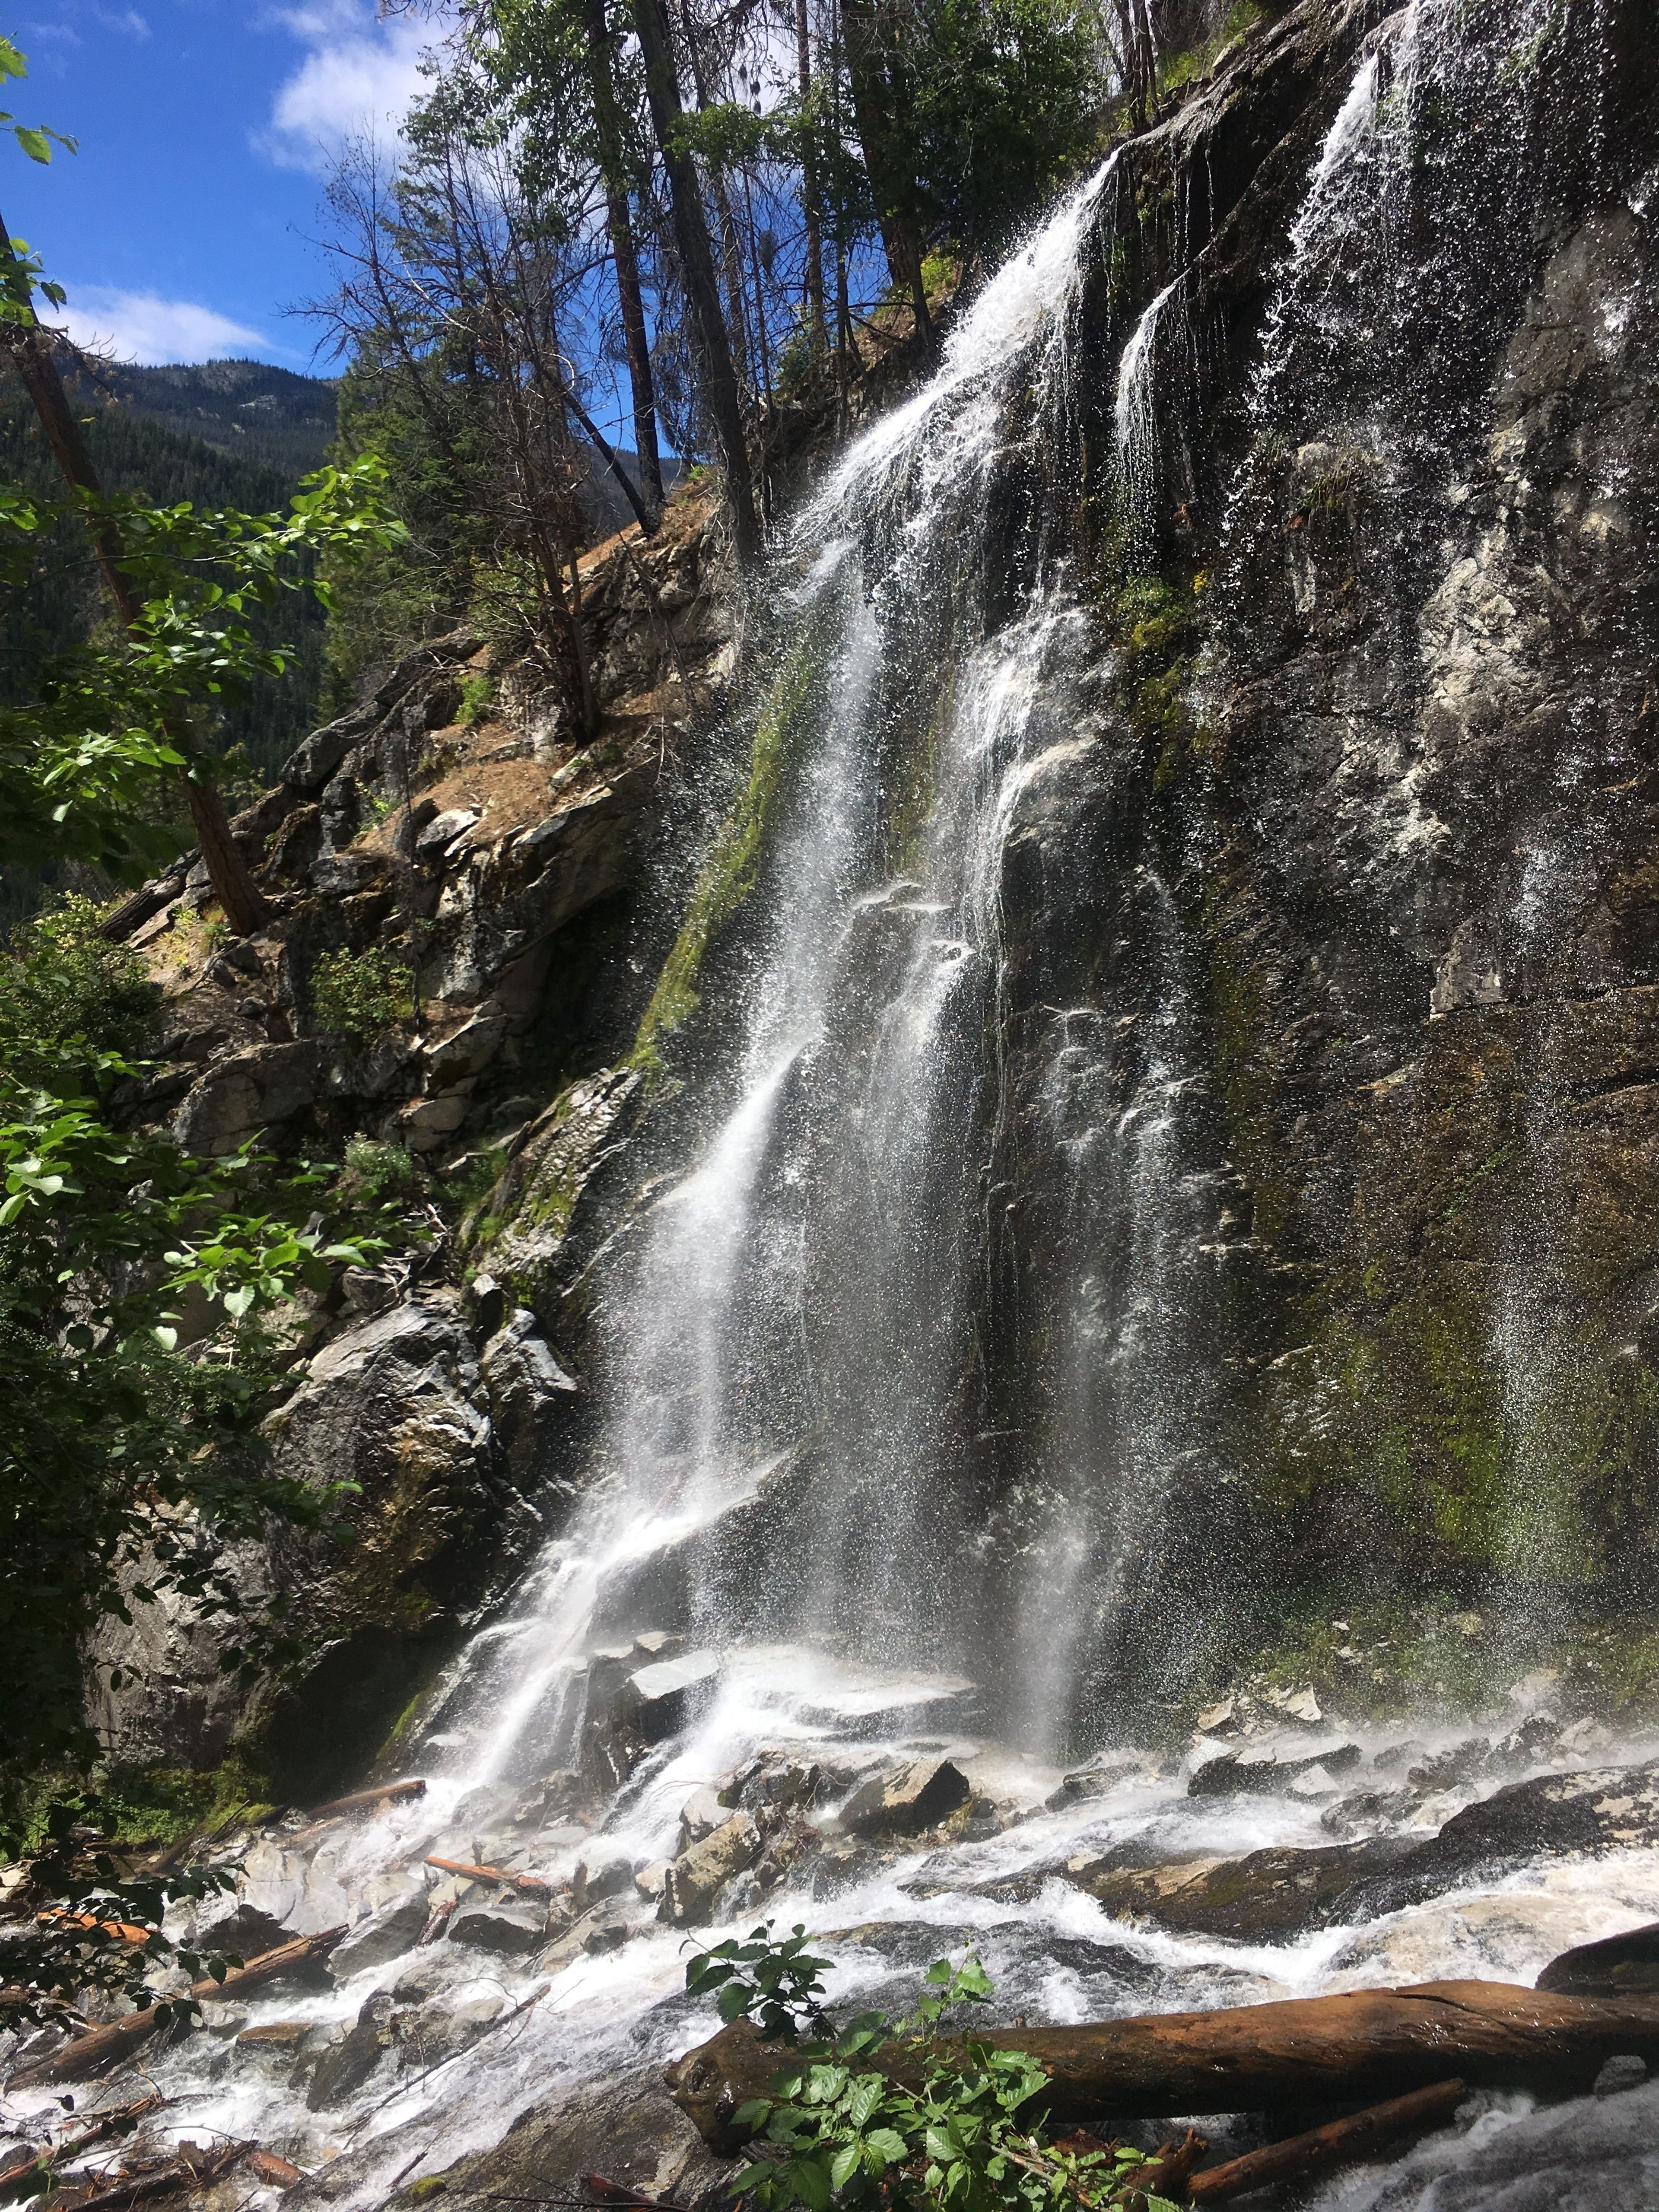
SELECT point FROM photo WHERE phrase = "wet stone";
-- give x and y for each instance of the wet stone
(906, 1799)
(344, 2069)
(1626, 2071)
(697, 1876)
(1267, 1896)
(1092, 1782)
(510, 1930)
(1267, 1772)
(701, 1815)
(1446, 1769)
(377, 1941)
(1617, 1967)
(605, 1929)
(604, 1873)
(657, 1700)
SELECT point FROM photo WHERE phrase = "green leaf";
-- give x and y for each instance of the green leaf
(867, 2092)
(844, 2164)
(811, 2183)
(34, 144)
(887, 2143)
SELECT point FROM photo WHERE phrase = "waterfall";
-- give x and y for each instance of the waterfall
(1059, 966)
(798, 1318)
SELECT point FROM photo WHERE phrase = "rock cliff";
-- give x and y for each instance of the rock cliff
(1337, 874)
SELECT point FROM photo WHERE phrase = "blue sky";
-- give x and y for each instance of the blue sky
(186, 222)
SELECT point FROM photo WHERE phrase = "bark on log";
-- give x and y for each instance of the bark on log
(533, 1883)
(103, 2044)
(164, 2180)
(359, 1798)
(1300, 2157)
(280, 2173)
(1368, 2045)
(59, 1915)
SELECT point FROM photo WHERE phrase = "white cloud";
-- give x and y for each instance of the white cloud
(127, 21)
(359, 75)
(142, 327)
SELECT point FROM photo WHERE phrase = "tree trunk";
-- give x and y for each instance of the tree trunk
(31, 348)
(89, 2052)
(730, 259)
(809, 193)
(697, 271)
(879, 106)
(1307, 2050)
(614, 176)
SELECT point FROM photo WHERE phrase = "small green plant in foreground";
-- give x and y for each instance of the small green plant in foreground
(949, 2138)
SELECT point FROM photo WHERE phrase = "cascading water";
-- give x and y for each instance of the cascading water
(918, 1355)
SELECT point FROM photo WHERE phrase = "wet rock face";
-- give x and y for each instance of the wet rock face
(446, 1448)
(623, 2127)
(1618, 1966)
(1350, 882)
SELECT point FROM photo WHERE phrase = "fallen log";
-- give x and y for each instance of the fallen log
(1299, 2158)
(102, 2124)
(281, 2172)
(531, 1883)
(184, 2172)
(359, 1798)
(1362, 2046)
(101, 2045)
(127, 1931)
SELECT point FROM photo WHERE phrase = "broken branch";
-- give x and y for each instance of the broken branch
(104, 2044)
(1339, 2141)
(532, 1883)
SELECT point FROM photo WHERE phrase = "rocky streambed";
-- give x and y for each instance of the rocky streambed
(477, 2034)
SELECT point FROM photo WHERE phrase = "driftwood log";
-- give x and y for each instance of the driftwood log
(102, 2045)
(192, 2169)
(532, 1885)
(1363, 2046)
(1299, 2158)
(361, 1798)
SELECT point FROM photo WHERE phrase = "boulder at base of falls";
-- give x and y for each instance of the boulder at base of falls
(350, 2063)
(512, 1929)
(696, 1878)
(624, 2127)
(906, 1799)
(1595, 1811)
(1269, 1771)
(1618, 1966)
(606, 1928)
(377, 1941)
(701, 1814)
(657, 1701)
(1268, 1896)
(602, 1873)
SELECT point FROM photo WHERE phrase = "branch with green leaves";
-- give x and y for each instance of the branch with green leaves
(960, 2133)
(86, 768)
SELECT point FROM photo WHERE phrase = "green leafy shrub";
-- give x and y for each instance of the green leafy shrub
(360, 994)
(64, 989)
(477, 694)
(836, 2131)
(376, 1170)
